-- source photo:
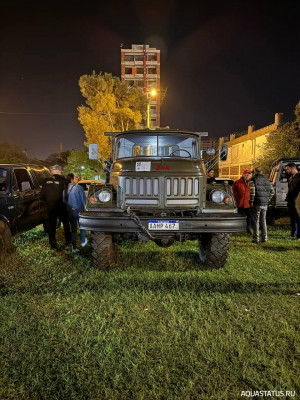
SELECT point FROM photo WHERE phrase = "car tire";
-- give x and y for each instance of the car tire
(213, 249)
(104, 251)
(5, 239)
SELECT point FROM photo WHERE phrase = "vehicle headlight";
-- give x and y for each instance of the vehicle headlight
(104, 196)
(218, 196)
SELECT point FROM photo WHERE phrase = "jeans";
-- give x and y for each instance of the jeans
(295, 220)
(259, 214)
(74, 219)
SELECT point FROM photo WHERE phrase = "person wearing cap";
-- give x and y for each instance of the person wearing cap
(241, 191)
(52, 194)
(261, 192)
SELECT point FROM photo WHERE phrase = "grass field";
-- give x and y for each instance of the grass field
(157, 326)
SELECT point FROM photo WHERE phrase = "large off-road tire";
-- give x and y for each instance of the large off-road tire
(104, 250)
(213, 249)
(5, 239)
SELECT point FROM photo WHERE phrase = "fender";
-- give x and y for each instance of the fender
(4, 218)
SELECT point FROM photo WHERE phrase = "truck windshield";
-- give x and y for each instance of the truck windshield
(131, 145)
(3, 180)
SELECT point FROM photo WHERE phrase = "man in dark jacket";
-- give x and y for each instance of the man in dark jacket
(293, 191)
(211, 176)
(261, 192)
(241, 191)
(52, 193)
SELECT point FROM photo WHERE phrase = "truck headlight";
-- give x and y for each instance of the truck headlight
(217, 196)
(104, 196)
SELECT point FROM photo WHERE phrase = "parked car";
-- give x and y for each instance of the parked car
(21, 207)
(279, 180)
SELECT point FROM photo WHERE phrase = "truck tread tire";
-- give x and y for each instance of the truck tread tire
(104, 251)
(5, 239)
(213, 249)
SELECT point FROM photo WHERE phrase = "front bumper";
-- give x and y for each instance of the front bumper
(112, 223)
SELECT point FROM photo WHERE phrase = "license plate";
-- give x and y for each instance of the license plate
(163, 225)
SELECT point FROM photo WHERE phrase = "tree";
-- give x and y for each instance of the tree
(57, 158)
(111, 106)
(285, 142)
(80, 165)
(12, 153)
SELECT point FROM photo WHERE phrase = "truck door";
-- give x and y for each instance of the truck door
(40, 174)
(26, 197)
(7, 205)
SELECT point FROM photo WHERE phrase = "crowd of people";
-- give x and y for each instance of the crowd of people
(253, 192)
(64, 200)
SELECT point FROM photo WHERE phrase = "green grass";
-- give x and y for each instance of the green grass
(157, 326)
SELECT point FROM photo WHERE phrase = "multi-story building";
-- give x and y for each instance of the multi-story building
(243, 151)
(140, 66)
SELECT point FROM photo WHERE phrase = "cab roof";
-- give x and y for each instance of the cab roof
(147, 131)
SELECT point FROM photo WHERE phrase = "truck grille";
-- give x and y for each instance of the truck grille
(167, 191)
(141, 187)
(182, 187)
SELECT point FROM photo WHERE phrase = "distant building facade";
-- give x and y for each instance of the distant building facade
(140, 66)
(243, 151)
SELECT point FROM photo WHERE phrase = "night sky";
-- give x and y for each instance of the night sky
(226, 65)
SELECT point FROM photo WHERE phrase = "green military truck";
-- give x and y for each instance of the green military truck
(158, 191)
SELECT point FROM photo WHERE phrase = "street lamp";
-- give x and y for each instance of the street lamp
(151, 94)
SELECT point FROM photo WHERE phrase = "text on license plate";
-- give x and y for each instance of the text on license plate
(163, 225)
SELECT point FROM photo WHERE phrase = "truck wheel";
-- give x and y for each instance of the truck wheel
(104, 250)
(213, 249)
(5, 239)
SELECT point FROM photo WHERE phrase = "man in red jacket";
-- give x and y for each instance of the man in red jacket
(241, 191)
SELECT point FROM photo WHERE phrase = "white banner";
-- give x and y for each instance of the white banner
(143, 166)
(93, 151)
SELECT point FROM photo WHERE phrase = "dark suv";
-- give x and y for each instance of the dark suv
(20, 205)
(158, 190)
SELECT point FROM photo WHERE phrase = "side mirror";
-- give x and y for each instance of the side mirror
(223, 152)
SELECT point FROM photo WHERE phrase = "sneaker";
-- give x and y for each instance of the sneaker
(74, 250)
(84, 243)
(255, 241)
